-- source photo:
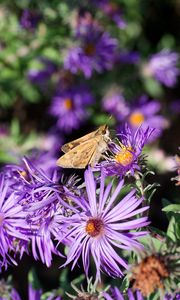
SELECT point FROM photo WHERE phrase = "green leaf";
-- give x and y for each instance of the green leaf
(151, 242)
(172, 208)
(167, 42)
(165, 202)
(173, 231)
(15, 128)
(7, 158)
(33, 279)
(125, 284)
(153, 87)
(154, 296)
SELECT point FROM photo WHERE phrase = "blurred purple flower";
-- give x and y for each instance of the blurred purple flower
(83, 21)
(40, 77)
(7, 292)
(100, 226)
(36, 294)
(112, 10)
(50, 142)
(128, 57)
(44, 160)
(29, 19)
(175, 106)
(97, 51)
(144, 114)
(13, 224)
(115, 105)
(172, 297)
(4, 131)
(70, 107)
(125, 156)
(163, 67)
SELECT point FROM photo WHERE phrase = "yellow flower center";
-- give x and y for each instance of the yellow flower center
(94, 227)
(68, 104)
(24, 175)
(136, 118)
(89, 49)
(125, 156)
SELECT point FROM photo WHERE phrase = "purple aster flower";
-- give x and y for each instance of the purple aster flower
(115, 105)
(69, 107)
(29, 19)
(27, 180)
(144, 114)
(13, 224)
(97, 51)
(41, 76)
(115, 294)
(100, 226)
(45, 160)
(163, 67)
(44, 200)
(125, 155)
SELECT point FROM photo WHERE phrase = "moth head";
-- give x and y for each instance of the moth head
(105, 132)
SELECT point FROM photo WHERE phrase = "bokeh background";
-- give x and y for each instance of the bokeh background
(67, 66)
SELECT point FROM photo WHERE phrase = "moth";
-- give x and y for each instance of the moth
(87, 150)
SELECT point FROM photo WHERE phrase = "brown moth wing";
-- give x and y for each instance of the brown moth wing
(78, 157)
(100, 149)
(67, 147)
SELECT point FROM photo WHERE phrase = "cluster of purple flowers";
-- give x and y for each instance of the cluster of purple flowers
(112, 10)
(125, 154)
(41, 77)
(142, 113)
(93, 49)
(163, 67)
(69, 106)
(40, 212)
(96, 51)
(29, 19)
